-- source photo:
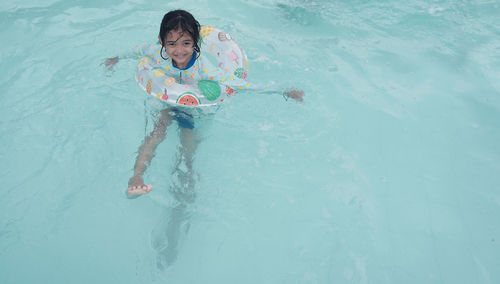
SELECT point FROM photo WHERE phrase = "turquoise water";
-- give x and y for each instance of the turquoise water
(387, 173)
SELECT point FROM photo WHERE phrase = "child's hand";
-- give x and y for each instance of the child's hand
(110, 62)
(294, 94)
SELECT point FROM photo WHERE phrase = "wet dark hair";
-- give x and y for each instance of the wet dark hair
(179, 20)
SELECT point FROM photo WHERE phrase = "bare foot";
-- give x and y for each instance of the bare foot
(136, 187)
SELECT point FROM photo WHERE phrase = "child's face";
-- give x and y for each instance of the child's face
(180, 47)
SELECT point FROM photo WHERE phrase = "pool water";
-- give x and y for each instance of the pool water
(387, 173)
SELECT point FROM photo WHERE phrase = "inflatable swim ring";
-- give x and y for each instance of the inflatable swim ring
(217, 47)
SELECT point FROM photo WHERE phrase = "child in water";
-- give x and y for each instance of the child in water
(178, 50)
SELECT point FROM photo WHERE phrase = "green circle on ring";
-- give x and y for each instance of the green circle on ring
(209, 89)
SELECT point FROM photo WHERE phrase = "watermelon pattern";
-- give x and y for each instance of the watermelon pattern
(188, 99)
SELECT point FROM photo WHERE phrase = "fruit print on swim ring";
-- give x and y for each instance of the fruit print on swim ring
(157, 72)
(206, 30)
(142, 63)
(188, 99)
(229, 91)
(210, 89)
(148, 87)
(169, 81)
(240, 73)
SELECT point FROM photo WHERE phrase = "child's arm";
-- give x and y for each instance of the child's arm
(150, 50)
(209, 72)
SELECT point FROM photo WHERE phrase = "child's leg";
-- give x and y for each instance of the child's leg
(189, 142)
(136, 186)
(189, 139)
(167, 235)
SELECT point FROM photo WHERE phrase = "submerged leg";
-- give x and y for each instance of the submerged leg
(136, 186)
(186, 177)
(168, 233)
